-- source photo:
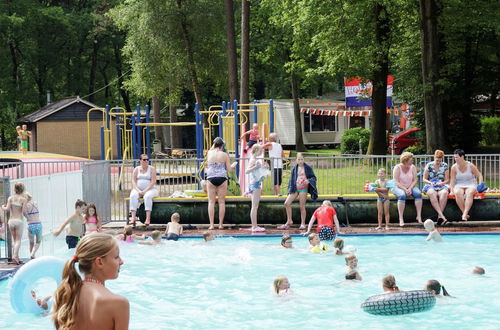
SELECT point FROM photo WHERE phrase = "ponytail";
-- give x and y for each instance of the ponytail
(66, 297)
(445, 293)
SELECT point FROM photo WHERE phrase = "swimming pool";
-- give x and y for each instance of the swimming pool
(228, 284)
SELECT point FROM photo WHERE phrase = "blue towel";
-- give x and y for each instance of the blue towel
(481, 187)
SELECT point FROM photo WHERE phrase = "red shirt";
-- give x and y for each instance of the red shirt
(324, 215)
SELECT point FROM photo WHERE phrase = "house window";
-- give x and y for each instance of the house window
(316, 123)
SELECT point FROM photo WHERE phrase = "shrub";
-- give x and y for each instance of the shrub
(418, 149)
(490, 130)
(350, 140)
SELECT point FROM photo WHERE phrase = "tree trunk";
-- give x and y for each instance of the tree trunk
(245, 51)
(378, 140)
(232, 69)
(157, 119)
(175, 138)
(118, 66)
(433, 108)
(93, 70)
(190, 59)
(299, 141)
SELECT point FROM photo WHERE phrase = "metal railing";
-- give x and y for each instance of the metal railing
(335, 175)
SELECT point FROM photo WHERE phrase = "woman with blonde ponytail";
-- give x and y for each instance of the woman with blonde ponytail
(86, 303)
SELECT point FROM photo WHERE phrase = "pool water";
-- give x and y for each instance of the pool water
(227, 284)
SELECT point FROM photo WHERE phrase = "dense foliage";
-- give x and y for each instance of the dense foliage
(353, 138)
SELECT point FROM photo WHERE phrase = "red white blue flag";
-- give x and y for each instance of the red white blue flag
(358, 93)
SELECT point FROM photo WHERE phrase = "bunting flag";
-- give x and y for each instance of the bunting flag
(358, 93)
(341, 110)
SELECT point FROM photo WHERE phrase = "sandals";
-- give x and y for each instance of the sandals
(258, 229)
(284, 227)
(302, 227)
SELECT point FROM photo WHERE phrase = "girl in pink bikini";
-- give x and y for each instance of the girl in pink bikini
(92, 221)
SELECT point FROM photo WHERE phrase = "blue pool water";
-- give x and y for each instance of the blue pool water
(228, 284)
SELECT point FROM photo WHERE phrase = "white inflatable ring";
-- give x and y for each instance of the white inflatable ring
(25, 278)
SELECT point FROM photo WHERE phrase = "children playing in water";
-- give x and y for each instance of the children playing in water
(76, 225)
(432, 230)
(128, 235)
(286, 241)
(34, 225)
(338, 244)
(92, 221)
(208, 236)
(253, 136)
(315, 245)
(353, 275)
(156, 236)
(389, 284)
(174, 229)
(282, 286)
(326, 216)
(380, 187)
(351, 262)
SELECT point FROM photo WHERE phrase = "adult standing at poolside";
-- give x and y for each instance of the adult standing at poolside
(143, 185)
(217, 167)
(257, 173)
(86, 303)
(405, 177)
(463, 182)
(302, 181)
(436, 177)
(16, 205)
(276, 155)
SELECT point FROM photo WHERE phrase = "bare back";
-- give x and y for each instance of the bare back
(99, 308)
(16, 203)
(217, 156)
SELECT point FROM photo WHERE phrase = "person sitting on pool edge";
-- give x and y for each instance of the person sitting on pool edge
(174, 229)
(389, 284)
(432, 230)
(156, 236)
(286, 241)
(282, 286)
(435, 287)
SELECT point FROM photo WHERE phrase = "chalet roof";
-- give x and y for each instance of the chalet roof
(52, 108)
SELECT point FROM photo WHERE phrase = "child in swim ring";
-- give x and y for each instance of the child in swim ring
(389, 284)
(282, 286)
(432, 230)
(174, 229)
(315, 245)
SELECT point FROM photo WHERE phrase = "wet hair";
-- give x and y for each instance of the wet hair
(434, 285)
(389, 281)
(206, 235)
(350, 257)
(79, 203)
(90, 206)
(326, 203)
(459, 152)
(311, 236)
(155, 234)
(438, 153)
(176, 216)
(285, 238)
(127, 231)
(256, 149)
(91, 247)
(19, 188)
(218, 142)
(351, 275)
(338, 243)
(277, 283)
(478, 270)
(429, 223)
(405, 156)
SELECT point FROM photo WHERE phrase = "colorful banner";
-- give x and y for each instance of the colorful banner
(358, 93)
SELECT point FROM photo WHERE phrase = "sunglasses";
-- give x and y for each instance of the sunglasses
(145, 159)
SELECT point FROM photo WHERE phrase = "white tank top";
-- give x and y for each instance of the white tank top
(143, 179)
(275, 154)
(465, 179)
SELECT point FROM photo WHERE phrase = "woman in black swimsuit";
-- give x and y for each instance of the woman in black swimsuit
(217, 167)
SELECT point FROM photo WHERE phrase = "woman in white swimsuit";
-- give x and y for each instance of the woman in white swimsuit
(463, 182)
(16, 205)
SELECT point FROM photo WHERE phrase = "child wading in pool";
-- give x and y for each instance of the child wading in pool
(92, 220)
(351, 262)
(389, 284)
(282, 286)
(174, 229)
(353, 275)
(156, 236)
(315, 244)
(433, 232)
(253, 136)
(338, 244)
(76, 225)
(34, 224)
(380, 187)
(128, 235)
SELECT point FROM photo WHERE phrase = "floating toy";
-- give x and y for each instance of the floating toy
(399, 303)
